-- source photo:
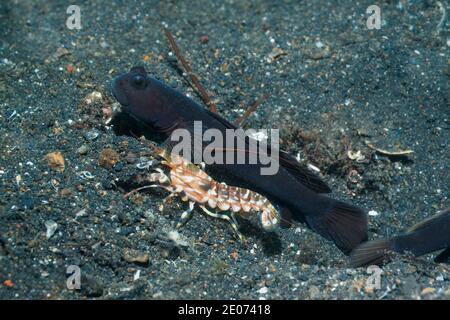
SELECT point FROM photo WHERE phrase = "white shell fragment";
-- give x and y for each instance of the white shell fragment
(93, 97)
(313, 167)
(373, 213)
(358, 156)
(263, 290)
(51, 227)
(176, 237)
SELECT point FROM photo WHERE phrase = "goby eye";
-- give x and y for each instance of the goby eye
(138, 81)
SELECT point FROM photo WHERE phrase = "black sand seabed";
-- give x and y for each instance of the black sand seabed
(338, 86)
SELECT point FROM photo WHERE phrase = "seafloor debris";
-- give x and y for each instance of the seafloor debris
(8, 283)
(108, 158)
(91, 135)
(135, 256)
(84, 149)
(93, 97)
(357, 156)
(388, 153)
(276, 54)
(51, 227)
(56, 161)
(373, 213)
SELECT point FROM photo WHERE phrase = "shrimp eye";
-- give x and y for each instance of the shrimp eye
(138, 81)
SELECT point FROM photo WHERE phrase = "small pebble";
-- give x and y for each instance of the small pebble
(93, 97)
(373, 213)
(428, 290)
(84, 149)
(65, 192)
(55, 161)
(175, 236)
(108, 158)
(135, 256)
(51, 227)
(204, 39)
(263, 290)
(91, 135)
(131, 157)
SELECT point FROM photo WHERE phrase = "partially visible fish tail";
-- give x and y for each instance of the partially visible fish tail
(371, 253)
(344, 224)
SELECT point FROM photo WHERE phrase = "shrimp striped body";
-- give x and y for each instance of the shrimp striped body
(196, 186)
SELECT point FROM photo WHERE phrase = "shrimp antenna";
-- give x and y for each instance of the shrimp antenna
(195, 81)
(197, 86)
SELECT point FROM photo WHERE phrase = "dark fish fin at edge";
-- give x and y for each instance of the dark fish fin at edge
(443, 257)
(304, 175)
(371, 253)
(444, 214)
(344, 224)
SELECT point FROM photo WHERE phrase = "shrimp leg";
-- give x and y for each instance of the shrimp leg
(226, 217)
(186, 215)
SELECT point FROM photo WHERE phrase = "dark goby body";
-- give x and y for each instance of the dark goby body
(294, 188)
(427, 236)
